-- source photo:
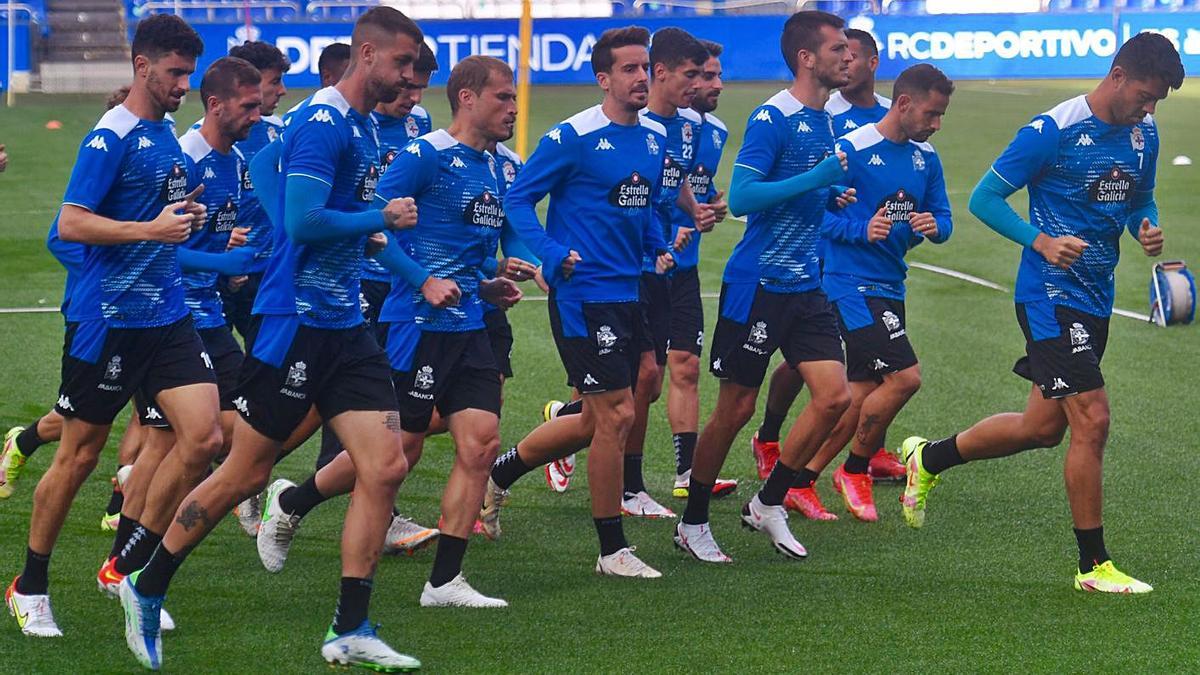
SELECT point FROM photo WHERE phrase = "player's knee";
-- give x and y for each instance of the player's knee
(1046, 435)
(480, 455)
(907, 382)
(832, 404)
(686, 372)
(390, 473)
(740, 411)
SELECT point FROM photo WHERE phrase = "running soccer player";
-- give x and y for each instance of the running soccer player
(771, 296)
(127, 199)
(232, 96)
(902, 201)
(312, 349)
(1089, 167)
(851, 107)
(602, 170)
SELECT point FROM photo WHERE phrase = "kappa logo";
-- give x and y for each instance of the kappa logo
(414, 148)
(875, 160)
(891, 320)
(112, 371)
(64, 402)
(457, 163)
(716, 364)
(240, 404)
(849, 125)
(878, 365)
(1059, 383)
(588, 380)
(604, 145)
(1085, 141)
(423, 380)
(763, 116)
(355, 132)
(918, 161)
(152, 413)
(97, 143)
(555, 135)
(207, 360)
(297, 375)
(321, 116)
(651, 144)
(758, 333)
(144, 143)
(605, 337)
(803, 127)
(1037, 125)
(208, 173)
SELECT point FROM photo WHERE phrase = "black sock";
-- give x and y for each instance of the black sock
(768, 431)
(352, 605)
(137, 550)
(806, 478)
(634, 483)
(508, 468)
(156, 575)
(612, 534)
(35, 578)
(856, 464)
(941, 455)
(1091, 548)
(775, 489)
(330, 447)
(28, 440)
(448, 561)
(570, 408)
(685, 449)
(125, 528)
(699, 495)
(117, 499)
(301, 499)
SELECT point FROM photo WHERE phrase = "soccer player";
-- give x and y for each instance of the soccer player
(602, 170)
(771, 296)
(1089, 167)
(902, 201)
(127, 199)
(312, 349)
(332, 63)
(851, 106)
(232, 96)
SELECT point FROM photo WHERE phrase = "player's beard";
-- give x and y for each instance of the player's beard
(164, 100)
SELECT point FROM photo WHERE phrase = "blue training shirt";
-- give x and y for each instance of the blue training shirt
(779, 248)
(603, 179)
(128, 169)
(904, 178)
(70, 255)
(394, 134)
(679, 155)
(710, 145)
(1082, 175)
(229, 200)
(847, 117)
(331, 142)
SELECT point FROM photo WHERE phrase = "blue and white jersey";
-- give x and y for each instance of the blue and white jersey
(394, 134)
(847, 117)
(603, 180)
(779, 249)
(330, 142)
(228, 201)
(261, 135)
(679, 154)
(710, 145)
(128, 169)
(1082, 175)
(459, 217)
(904, 178)
(70, 255)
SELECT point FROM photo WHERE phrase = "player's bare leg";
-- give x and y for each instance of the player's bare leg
(194, 412)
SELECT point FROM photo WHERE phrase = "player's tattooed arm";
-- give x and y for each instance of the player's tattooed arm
(193, 514)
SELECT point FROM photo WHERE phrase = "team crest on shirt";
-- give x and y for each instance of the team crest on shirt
(899, 206)
(411, 128)
(717, 142)
(672, 174)
(631, 193)
(112, 371)
(687, 132)
(423, 379)
(918, 161)
(175, 185)
(1113, 186)
(370, 180)
(1079, 338)
(226, 217)
(297, 375)
(606, 339)
(1137, 139)
(484, 211)
(509, 172)
(272, 134)
(651, 144)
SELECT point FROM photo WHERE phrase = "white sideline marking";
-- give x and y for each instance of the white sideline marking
(959, 275)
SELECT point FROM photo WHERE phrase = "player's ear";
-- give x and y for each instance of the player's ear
(367, 53)
(141, 63)
(1118, 76)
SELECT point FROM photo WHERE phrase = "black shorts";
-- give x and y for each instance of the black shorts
(102, 368)
(654, 296)
(370, 299)
(225, 355)
(876, 335)
(600, 343)
(294, 367)
(754, 322)
(687, 313)
(1063, 349)
(500, 334)
(449, 371)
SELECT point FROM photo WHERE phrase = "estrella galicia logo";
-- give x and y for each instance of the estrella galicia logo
(484, 211)
(175, 185)
(227, 215)
(1114, 186)
(900, 204)
(370, 180)
(672, 174)
(631, 193)
(247, 184)
(700, 180)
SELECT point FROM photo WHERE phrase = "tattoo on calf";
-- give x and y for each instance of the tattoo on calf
(867, 426)
(193, 514)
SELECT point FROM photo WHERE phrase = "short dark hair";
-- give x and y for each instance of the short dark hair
(714, 48)
(225, 76)
(162, 34)
(117, 97)
(336, 53)
(615, 38)
(921, 79)
(1148, 56)
(863, 38)
(672, 47)
(803, 31)
(262, 55)
(383, 19)
(473, 73)
(427, 61)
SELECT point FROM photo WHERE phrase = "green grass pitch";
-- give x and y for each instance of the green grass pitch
(986, 586)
